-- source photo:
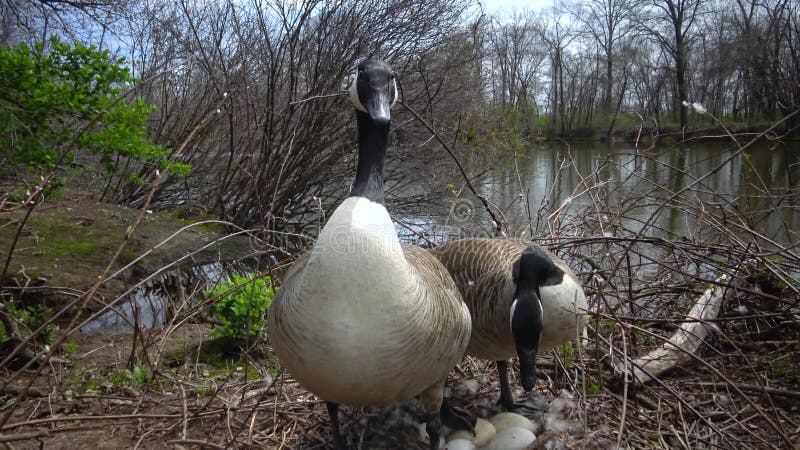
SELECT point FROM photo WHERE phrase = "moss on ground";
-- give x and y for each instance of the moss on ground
(70, 242)
(221, 358)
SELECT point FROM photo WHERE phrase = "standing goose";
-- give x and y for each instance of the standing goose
(522, 299)
(360, 318)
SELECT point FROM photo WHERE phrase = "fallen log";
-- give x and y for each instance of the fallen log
(682, 344)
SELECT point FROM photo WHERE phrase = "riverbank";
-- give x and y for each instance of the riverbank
(648, 131)
(67, 244)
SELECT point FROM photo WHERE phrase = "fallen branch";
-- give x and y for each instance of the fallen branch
(37, 434)
(4, 438)
(683, 343)
(16, 390)
(205, 444)
(114, 417)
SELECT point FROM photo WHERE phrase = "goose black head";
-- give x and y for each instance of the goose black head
(374, 90)
(532, 269)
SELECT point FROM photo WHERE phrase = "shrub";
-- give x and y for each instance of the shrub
(30, 318)
(135, 378)
(241, 305)
(59, 100)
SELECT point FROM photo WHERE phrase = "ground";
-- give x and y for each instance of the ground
(68, 243)
(200, 399)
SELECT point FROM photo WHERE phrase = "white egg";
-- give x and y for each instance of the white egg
(506, 420)
(484, 432)
(459, 444)
(461, 434)
(514, 438)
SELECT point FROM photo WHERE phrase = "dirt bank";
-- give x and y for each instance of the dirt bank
(67, 244)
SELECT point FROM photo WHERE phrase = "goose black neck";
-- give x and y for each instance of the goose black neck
(525, 286)
(372, 139)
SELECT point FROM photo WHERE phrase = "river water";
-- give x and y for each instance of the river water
(669, 191)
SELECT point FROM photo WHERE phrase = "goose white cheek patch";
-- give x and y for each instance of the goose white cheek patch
(354, 95)
(393, 91)
(357, 101)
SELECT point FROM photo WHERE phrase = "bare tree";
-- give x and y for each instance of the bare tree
(676, 39)
(607, 22)
(246, 93)
(84, 20)
(558, 34)
(516, 58)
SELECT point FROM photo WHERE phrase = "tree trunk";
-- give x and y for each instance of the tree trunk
(609, 97)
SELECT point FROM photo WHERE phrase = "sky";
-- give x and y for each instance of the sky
(509, 5)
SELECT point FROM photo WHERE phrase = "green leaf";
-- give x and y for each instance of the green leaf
(62, 100)
(240, 304)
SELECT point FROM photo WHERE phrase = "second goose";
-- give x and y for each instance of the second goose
(522, 299)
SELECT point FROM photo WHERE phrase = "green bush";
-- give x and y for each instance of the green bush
(29, 318)
(503, 131)
(240, 305)
(135, 378)
(57, 100)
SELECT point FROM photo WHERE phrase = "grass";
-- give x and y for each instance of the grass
(70, 243)
(50, 242)
(134, 378)
(57, 235)
(185, 216)
(205, 367)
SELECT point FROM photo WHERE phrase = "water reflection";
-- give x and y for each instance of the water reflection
(148, 305)
(693, 191)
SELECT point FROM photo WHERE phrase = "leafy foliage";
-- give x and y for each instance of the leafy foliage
(63, 99)
(241, 306)
(124, 377)
(504, 132)
(29, 318)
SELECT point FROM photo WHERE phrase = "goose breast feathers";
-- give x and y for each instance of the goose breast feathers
(362, 319)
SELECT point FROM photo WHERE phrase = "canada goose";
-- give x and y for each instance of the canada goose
(522, 299)
(360, 318)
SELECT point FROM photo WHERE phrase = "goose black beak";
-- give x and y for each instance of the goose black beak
(527, 368)
(378, 106)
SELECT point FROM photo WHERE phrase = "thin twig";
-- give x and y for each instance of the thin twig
(498, 224)
(315, 97)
